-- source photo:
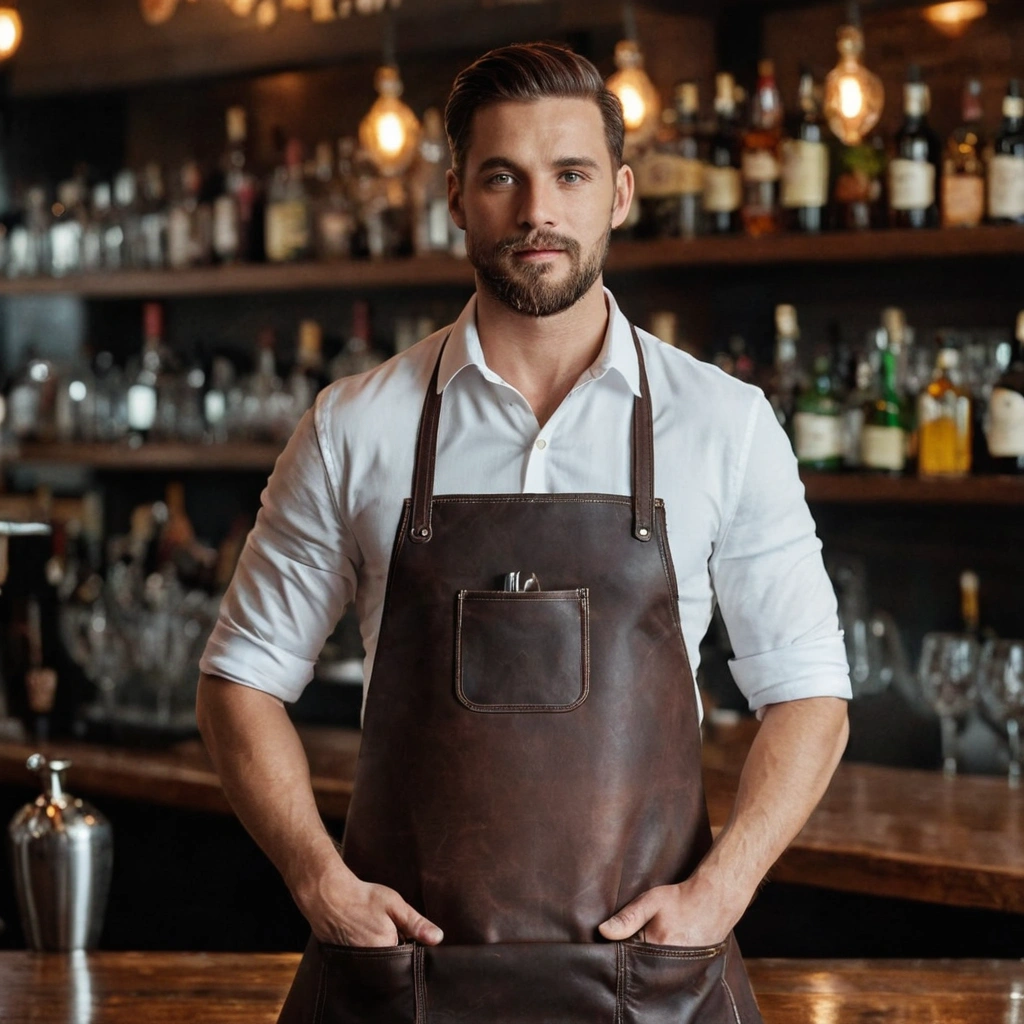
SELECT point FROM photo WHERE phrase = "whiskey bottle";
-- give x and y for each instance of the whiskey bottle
(760, 158)
(1006, 170)
(289, 229)
(914, 170)
(1005, 432)
(670, 177)
(805, 166)
(944, 421)
(817, 422)
(723, 186)
(963, 168)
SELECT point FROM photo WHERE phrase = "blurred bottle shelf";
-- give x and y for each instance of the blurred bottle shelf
(624, 257)
(836, 488)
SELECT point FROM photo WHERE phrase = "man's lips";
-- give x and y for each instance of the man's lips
(538, 254)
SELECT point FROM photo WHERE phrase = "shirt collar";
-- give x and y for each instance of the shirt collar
(617, 353)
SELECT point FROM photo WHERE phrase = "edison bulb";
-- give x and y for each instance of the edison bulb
(641, 104)
(853, 95)
(390, 131)
(10, 31)
(953, 18)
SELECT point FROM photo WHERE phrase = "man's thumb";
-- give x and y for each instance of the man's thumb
(628, 921)
(414, 925)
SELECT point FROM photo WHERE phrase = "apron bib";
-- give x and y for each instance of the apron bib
(530, 763)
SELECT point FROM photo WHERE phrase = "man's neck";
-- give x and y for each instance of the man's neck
(542, 357)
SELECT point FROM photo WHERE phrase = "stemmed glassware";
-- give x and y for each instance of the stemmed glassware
(947, 675)
(1001, 689)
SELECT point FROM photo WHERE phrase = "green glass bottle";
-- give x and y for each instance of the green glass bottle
(884, 439)
(818, 421)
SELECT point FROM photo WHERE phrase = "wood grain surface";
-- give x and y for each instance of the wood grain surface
(883, 831)
(230, 988)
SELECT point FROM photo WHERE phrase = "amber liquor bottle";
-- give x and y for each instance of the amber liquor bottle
(963, 168)
(723, 186)
(760, 160)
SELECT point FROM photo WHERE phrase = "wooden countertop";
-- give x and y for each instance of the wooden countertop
(232, 988)
(884, 831)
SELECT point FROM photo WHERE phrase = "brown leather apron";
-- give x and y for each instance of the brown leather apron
(530, 763)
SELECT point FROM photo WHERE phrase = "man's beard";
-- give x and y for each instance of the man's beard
(522, 286)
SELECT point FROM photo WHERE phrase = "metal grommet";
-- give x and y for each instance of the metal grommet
(642, 532)
(425, 531)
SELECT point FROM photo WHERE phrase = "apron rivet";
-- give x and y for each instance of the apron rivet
(642, 531)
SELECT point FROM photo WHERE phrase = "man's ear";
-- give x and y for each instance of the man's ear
(455, 201)
(624, 185)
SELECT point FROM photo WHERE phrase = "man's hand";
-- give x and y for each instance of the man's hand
(344, 911)
(674, 915)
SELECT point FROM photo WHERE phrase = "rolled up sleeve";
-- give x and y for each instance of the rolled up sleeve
(770, 582)
(295, 577)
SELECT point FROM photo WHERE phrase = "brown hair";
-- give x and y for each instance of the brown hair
(525, 72)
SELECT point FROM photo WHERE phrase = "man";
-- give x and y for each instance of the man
(527, 839)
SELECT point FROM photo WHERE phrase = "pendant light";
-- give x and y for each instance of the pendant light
(10, 32)
(853, 95)
(954, 17)
(641, 104)
(390, 131)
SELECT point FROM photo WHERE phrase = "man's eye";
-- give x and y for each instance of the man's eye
(503, 178)
(572, 177)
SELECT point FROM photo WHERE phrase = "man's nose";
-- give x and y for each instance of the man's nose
(537, 207)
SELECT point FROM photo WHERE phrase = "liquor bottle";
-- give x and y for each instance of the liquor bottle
(785, 378)
(883, 439)
(805, 166)
(963, 169)
(723, 185)
(234, 209)
(817, 421)
(153, 218)
(335, 221)
(944, 421)
(128, 217)
(28, 243)
(1006, 168)
(1005, 432)
(67, 228)
(31, 400)
(143, 392)
(358, 354)
(307, 376)
(862, 391)
(289, 224)
(670, 177)
(189, 221)
(432, 224)
(262, 393)
(95, 229)
(914, 169)
(760, 157)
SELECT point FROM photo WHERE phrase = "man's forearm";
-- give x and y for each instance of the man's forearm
(787, 771)
(265, 775)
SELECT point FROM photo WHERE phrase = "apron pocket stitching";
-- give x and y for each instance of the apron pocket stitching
(419, 988)
(321, 993)
(620, 981)
(678, 952)
(728, 990)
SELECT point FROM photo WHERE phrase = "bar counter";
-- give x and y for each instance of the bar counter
(881, 831)
(231, 988)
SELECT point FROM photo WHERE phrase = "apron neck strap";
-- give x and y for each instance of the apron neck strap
(420, 530)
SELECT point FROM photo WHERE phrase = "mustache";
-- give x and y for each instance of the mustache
(537, 240)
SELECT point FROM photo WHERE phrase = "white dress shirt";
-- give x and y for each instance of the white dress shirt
(738, 527)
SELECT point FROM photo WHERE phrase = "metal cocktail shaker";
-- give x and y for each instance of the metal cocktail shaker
(63, 852)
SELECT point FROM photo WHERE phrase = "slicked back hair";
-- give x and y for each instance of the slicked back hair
(522, 73)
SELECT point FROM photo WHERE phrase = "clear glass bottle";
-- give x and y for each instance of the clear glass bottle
(805, 166)
(234, 208)
(28, 244)
(944, 421)
(915, 167)
(289, 220)
(307, 376)
(818, 420)
(67, 229)
(128, 217)
(432, 223)
(153, 220)
(760, 157)
(146, 376)
(357, 354)
(963, 167)
(263, 393)
(1006, 167)
(31, 400)
(785, 380)
(862, 391)
(883, 440)
(1005, 426)
(723, 184)
(190, 222)
(335, 221)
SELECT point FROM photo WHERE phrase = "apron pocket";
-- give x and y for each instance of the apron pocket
(521, 983)
(522, 651)
(362, 983)
(676, 984)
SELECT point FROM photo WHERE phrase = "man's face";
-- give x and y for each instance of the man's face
(538, 200)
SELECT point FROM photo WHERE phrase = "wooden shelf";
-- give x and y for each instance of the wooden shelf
(624, 257)
(156, 456)
(862, 488)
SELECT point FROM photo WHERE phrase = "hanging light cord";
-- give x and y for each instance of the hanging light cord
(629, 21)
(389, 50)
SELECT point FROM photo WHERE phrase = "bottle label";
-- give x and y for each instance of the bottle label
(1006, 186)
(911, 184)
(883, 447)
(963, 200)
(1013, 106)
(226, 235)
(722, 189)
(1006, 423)
(817, 437)
(287, 231)
(804, 173)
(141, 406)
(660, 175)
(179, 238)
(760, 165)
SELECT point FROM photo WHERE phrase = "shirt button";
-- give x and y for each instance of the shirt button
(541, 444)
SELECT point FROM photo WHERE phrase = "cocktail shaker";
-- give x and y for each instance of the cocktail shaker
(63, 851)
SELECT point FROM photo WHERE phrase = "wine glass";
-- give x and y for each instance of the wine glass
(1001, 688)
(947, 676)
